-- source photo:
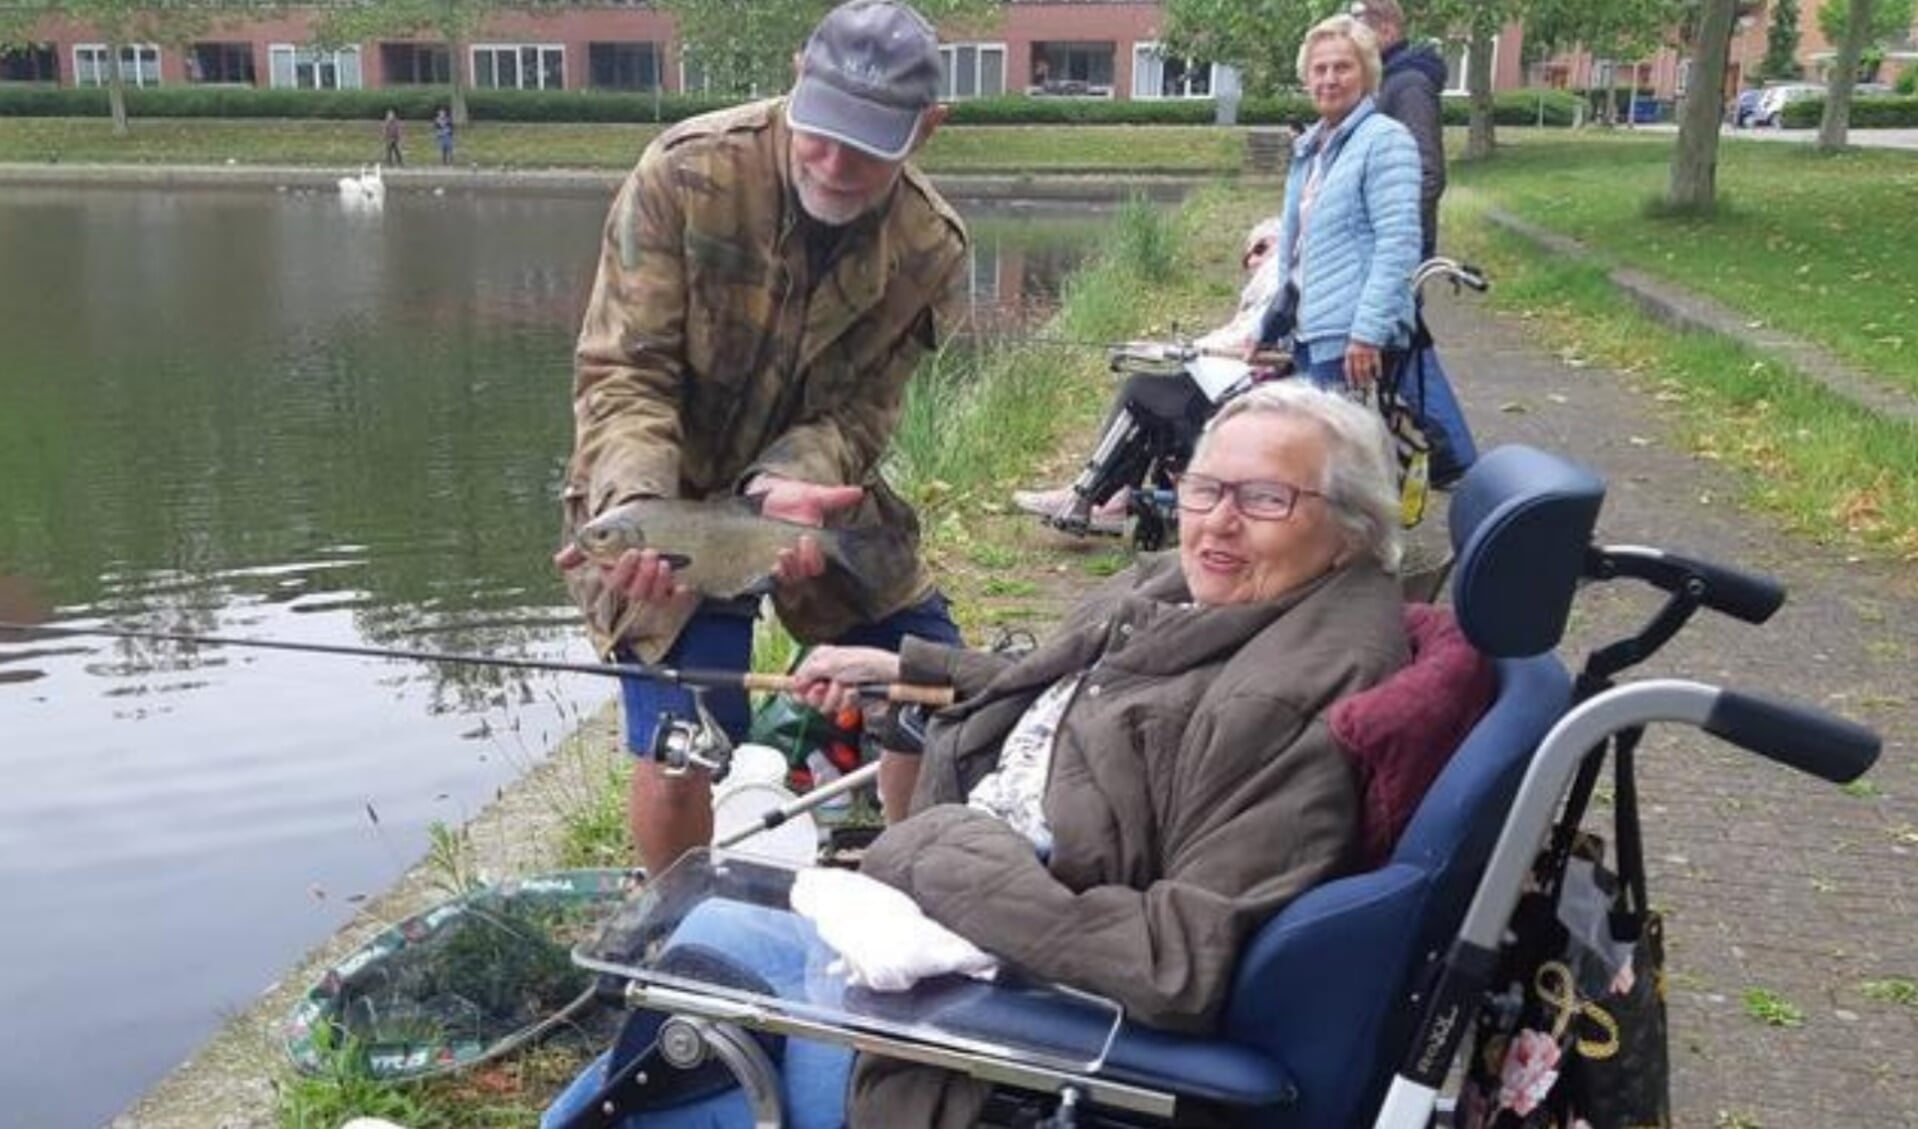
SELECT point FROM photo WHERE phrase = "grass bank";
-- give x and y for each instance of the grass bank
(1825, 467)
(1824, 247)
(497, 145)
(978, 422)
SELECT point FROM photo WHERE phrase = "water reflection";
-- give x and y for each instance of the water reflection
(274, 416)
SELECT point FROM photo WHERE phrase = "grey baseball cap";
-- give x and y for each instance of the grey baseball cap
(870, 69)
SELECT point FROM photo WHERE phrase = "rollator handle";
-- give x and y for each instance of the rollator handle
(1796, 736)
(1748, 596)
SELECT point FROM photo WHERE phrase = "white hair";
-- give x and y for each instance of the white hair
(1361, 469)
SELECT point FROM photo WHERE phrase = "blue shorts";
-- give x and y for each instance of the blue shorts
(720, 637)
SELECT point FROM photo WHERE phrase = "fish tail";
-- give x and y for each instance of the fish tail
(870, 556)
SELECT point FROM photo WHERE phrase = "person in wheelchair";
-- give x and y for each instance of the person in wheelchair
(1171, 409)
(1120, 808)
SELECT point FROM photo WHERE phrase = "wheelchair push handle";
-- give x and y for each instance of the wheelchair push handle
(1748, 596)
(1800, 737)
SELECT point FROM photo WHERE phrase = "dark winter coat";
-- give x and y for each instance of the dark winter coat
(1409, 93)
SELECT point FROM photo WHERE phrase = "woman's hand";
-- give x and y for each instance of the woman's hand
(829, 677)
(1362, 365)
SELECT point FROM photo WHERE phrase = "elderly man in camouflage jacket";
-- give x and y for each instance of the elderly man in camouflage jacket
(769, 278)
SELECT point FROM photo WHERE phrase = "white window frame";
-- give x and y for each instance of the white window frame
(133, 71)
(1149, 57)
(1457, 82)
(519, 69)
(949, 63)
(348, 68)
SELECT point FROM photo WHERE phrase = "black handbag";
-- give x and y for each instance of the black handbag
(1575, 1034)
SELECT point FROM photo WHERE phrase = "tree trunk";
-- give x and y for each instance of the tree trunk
(1480, 140)
(456, 67)
(117, 91)
(1694, 172)
(1844, 73)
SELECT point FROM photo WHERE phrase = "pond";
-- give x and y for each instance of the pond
(266, 414)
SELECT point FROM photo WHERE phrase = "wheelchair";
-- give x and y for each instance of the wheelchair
(1350, 1005)
(1170, 390)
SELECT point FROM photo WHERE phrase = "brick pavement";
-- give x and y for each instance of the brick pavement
(1770, 880)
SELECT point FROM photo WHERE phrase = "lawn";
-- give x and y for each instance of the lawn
(494, 145)
(1822, 247)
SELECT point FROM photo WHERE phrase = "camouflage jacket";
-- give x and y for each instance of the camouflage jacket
(708, 354)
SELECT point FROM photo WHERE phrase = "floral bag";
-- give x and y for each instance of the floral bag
(1574, 1036)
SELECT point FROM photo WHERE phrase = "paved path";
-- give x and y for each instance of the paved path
(1862, 138)
(1770, 880)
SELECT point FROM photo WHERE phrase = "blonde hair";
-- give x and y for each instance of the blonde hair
(1363, 40)
(1361, 468)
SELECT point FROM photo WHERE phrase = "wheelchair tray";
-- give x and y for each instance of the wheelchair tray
(713, 934)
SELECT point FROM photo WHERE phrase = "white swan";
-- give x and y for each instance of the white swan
(366, 186)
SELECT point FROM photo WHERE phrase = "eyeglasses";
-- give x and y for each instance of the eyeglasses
(1259, 501)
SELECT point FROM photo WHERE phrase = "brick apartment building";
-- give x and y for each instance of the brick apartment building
(1083, 48)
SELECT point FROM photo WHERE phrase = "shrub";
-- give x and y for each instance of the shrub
(1890, 112)
(1907, 83)
(1518, 107)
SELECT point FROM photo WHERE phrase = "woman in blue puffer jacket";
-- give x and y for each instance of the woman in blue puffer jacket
(1349, 235)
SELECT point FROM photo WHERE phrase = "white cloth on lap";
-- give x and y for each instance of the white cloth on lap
(883, 940)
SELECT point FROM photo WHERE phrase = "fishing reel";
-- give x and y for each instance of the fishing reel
(683, 744)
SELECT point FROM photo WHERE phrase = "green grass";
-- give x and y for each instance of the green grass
(610, 146)
(1824, 247)
(1897, 990)
(1828, 468)
(1772, 1009)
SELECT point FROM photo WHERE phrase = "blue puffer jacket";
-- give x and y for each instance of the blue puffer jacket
(1363, 242)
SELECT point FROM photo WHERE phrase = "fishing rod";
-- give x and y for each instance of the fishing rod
(902, 692)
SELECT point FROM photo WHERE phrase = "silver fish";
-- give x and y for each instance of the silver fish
(725, 547)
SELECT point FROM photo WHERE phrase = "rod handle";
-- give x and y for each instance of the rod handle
(899, 692)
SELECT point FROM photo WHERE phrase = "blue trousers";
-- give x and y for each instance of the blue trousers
(721, 638)
(778, 947)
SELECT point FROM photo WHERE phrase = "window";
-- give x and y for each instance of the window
(230, 63)
(972, 70)
(1072, 68)
(622, 66)
(305, 68)
(519, 66)
(1458, 56)
(36, 62)
(1155, 76)
(139, 64)
(416, 64)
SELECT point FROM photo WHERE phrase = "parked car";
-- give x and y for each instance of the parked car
(1745, 107)
(1772, 103)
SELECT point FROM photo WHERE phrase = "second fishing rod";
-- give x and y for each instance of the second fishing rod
(898, 692)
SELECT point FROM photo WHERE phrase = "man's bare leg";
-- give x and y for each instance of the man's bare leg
(668, 815)
(898, 774)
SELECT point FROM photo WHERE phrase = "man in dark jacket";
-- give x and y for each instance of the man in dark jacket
(1409, 92)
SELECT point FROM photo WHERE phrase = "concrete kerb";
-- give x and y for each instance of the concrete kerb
(1063, 187)
(1681, 309)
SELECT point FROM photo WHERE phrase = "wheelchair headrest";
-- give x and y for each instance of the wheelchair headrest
(1521, 521)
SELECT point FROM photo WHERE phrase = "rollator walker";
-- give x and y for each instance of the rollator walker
(1349, 1006)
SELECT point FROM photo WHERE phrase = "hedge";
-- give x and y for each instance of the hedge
(1514, 107)
(1889, 112)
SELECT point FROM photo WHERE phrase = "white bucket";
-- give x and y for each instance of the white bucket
(757, 764)
(740, 804)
